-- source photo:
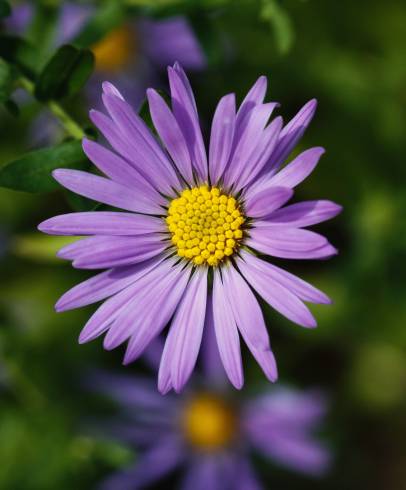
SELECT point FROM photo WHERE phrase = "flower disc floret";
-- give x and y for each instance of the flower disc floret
(205, 225)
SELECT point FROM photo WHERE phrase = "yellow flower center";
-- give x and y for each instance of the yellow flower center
(113, 52)
(205, 225)
(209, 423)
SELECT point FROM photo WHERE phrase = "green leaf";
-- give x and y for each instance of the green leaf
(5, 9)
(32, 171)
(7, 76)
(19, 52)
(65, 73)
(12, 107)
(280, 22)
(38, 247)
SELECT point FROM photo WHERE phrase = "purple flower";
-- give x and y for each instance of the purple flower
(186, 251)
(210, 435)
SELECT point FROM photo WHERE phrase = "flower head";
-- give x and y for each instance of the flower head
(210, 435)
(185, 252)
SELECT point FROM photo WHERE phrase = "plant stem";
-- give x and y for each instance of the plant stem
(67, 122)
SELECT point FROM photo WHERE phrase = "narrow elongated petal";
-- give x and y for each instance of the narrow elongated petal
(165, 455)
(248, 142)
(120, 171)
(152, 322)
(109, 88)
(291, 134)
(170, 134)
(205, 472)
(254, 97)
(228, 340)
(143, 142)
(221, 138)
(277, 296)
(297, 170)
(104, 190)
(260, 154)
(184, 109)
(101, 223)
(110, 309)
(148, 314)
(297, 286)
(265, 202)
(105, 284)
(104, 252)
(288, 239)
(278, 246)
(250, 321)
(187, 329)
(301, 214)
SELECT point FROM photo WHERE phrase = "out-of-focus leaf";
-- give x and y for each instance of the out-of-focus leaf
(7, 77)
(42, 30)
(107, 17)
(32, 171)
(39, 247)
(280, 22)
(12, 107)
(80, 203)
(65, 74)
(5, 9)
(19, 52)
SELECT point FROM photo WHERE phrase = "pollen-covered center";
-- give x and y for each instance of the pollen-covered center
(205, 225)
(208, 423)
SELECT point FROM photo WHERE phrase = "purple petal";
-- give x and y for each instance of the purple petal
(101, 252)
(298, 169)
(110, 309)
(172, 39)
(148, 313)
(254, 97)
(250, 321)
(142, 141)
(302, 214)
(297, 286)
(104, 190)
(109, 88)
(279, 297)
(212, 365)
(221, 139)
(265, 202)
(165, 456)
(291, 134)
(205, 473)
(228, 340)
(184, 109)
(121, 171)
(104, 285)
(101, 223)
(260, 155)
(170, 134)
(248, 142)
(277, 240)
(244, 475)
(287, 248)
(187, 329)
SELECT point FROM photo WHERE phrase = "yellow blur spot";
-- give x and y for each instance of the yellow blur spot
(205, 225)
(115, 50)
(209, 423)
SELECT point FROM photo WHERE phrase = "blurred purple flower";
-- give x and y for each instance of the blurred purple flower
(193, 217)
(133, 55)
(210, 435)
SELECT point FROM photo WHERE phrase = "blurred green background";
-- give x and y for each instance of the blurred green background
(351, 56)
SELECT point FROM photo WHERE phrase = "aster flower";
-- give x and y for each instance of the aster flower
(209, 434)
(185, 252)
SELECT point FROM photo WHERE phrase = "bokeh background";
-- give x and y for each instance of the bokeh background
(350, 55)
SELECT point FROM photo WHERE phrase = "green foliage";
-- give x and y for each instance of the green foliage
(65, 73)
(5, 9)
(7, 78)
(32, 171)
(279, 20)
(19, 52)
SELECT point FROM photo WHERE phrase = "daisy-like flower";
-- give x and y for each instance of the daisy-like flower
(209, 434)
(186, 251)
